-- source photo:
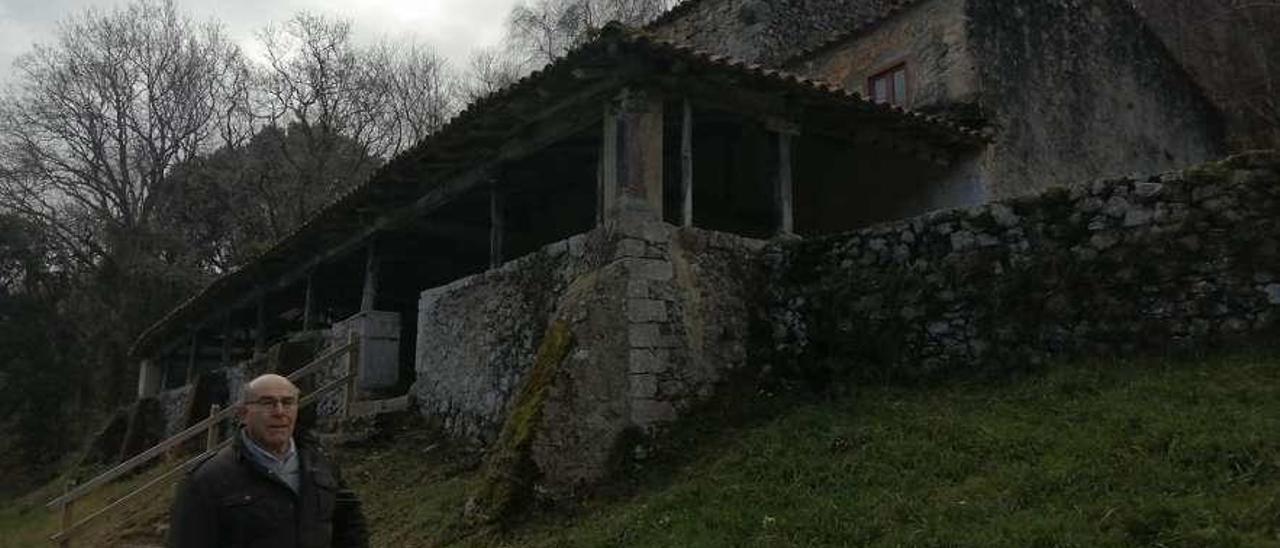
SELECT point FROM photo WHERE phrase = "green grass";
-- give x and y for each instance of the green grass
(1103, 454)
(1145, 453)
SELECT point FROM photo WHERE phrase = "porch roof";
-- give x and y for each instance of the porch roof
(567, 95)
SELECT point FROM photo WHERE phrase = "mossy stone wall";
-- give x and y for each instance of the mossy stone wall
(1178, 262)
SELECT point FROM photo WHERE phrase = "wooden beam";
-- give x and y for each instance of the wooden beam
(686, 165)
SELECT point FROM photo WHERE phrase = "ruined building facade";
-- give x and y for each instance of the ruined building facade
(589, 251)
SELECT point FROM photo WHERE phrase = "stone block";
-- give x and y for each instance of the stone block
(643, 386)
(647, 413)
(651, 269)
(631, 247)
(638, 289)
(646, 310)
(650, 360)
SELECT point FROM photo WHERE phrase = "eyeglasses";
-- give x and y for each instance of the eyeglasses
(270, 402)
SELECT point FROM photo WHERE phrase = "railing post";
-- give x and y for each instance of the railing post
(66, 518)
(211, 439)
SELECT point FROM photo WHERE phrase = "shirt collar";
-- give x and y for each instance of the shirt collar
(264, 457)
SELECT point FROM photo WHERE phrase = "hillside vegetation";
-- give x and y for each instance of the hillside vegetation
(1105, 453)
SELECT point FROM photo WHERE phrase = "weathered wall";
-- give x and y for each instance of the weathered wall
(763, 31)
(930, 37)
(477, 336)
(1179, 261)
(1081, 91)
(173, 409)
(656, 314)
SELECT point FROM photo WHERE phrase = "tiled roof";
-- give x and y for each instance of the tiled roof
(409, 175)
(861, 27)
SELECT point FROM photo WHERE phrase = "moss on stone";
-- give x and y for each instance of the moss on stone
(510, 472)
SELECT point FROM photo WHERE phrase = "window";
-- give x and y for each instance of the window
(889, 86)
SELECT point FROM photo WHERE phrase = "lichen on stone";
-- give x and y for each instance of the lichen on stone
(509, 471)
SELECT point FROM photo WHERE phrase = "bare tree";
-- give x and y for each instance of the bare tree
(488, 70)
(98, 118)
(541, 31)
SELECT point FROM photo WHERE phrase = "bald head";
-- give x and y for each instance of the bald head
(268, 382)
(269, 412)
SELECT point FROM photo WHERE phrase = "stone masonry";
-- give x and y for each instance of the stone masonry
(1178, 262)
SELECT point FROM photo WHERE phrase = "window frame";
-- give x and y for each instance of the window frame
(888, 75)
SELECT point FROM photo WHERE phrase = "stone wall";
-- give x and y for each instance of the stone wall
(173, 409)
(763, 31)
(477, 335)
(1182, 261)
(930, 38)
(1081, 91)
(656, 316)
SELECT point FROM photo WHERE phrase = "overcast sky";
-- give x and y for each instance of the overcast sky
(453, 27)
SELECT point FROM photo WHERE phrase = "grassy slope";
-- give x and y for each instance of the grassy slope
(1099, 454)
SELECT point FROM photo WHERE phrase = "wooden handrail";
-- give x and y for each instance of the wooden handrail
(68, 532)
(181, 437)
(131, 496)
(137, 460)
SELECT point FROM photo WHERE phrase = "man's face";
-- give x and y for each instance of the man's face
(270, 412)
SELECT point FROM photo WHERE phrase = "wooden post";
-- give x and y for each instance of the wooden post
(353, 371)
(67, 517)
(686, 166)
(211, 439)
(369, 297)
(497, 225)
(782, 184)
(308, 303)
(192, 354)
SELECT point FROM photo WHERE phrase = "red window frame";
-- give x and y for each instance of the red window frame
(890, 86)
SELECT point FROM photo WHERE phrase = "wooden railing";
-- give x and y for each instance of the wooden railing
(209, 427)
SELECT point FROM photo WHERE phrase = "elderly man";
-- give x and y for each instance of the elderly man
(265, 490)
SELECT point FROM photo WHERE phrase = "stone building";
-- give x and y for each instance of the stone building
(584, 249)
(1079, 89)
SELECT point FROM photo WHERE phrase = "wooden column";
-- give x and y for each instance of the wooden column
(686, 166)
(192, 355)
(497, 225)
(632, 154)
(784, 202)
(369, 297)
(308, 303)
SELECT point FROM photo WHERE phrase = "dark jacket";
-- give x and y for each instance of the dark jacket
(232, 501)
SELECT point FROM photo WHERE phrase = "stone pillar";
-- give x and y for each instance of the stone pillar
(686, 166)
(784, 202)
(369, 296)
(497, 224)
(631, 154)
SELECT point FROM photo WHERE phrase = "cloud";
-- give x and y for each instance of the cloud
(454, 28)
